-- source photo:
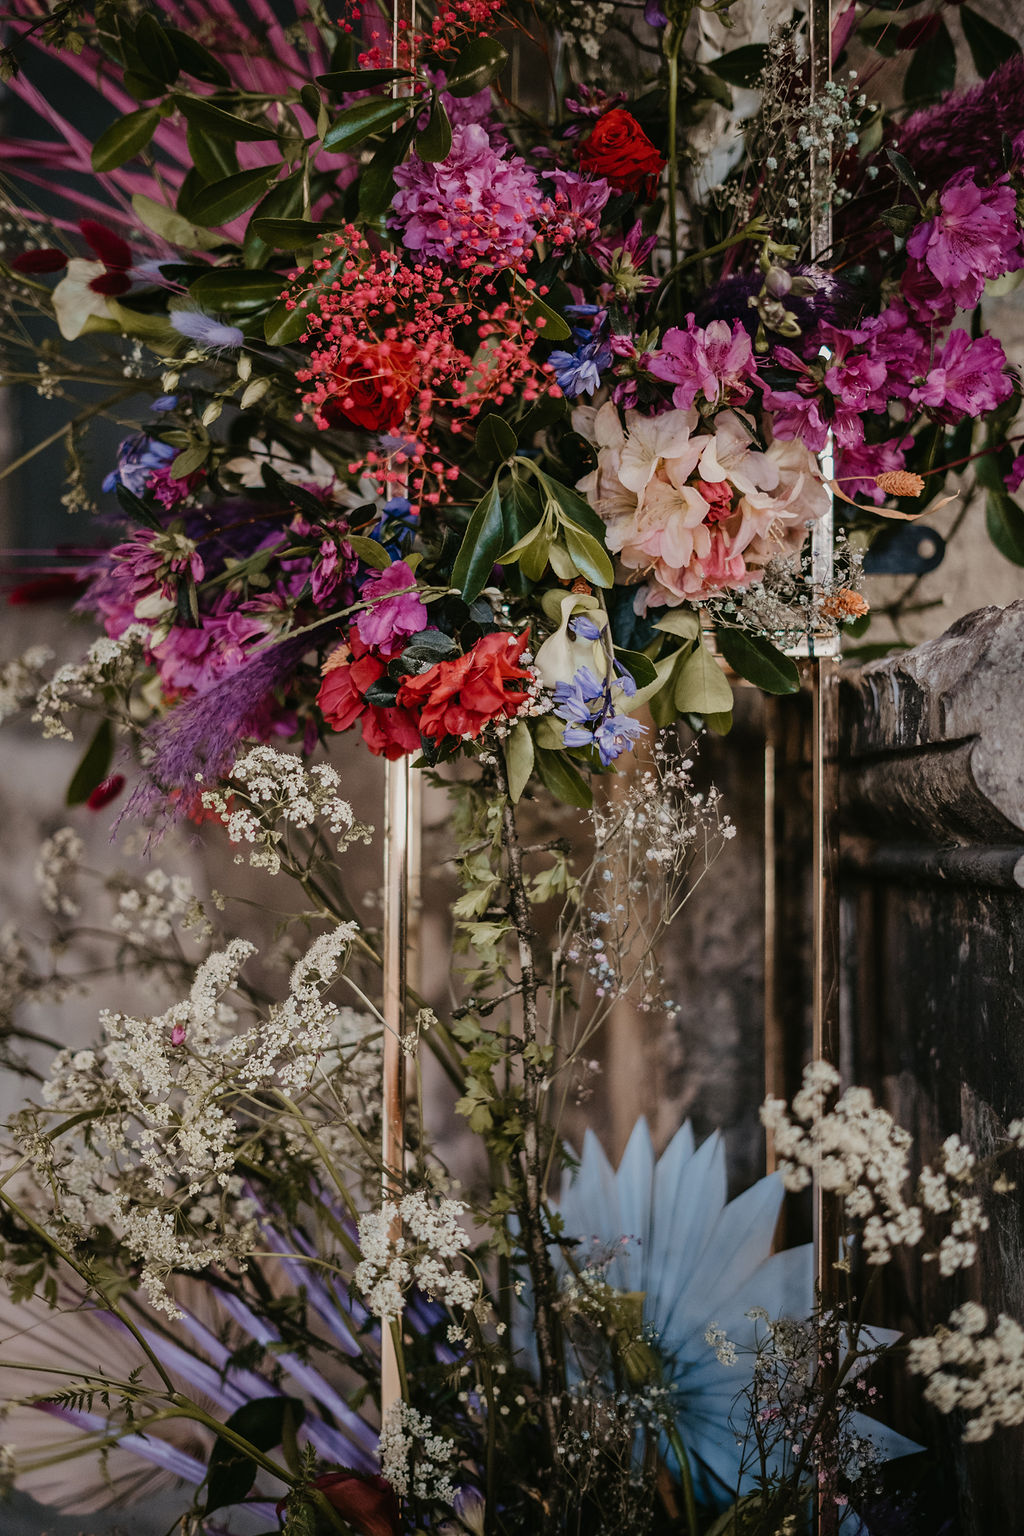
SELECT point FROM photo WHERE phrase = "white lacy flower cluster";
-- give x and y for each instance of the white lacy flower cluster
(155, 1160)
(55, 871)
(391, 1262)
(280, 792)
(159, 906)
(979, 1373)
(857, 1151)
(22, 678)
(108, 664)
(415, 1458)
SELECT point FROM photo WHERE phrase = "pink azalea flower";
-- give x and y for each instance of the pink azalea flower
(967, 378)
(391, 619)
(856, 467)
(1015, 475)
(473, 209)
(974, 237)
(716, 361)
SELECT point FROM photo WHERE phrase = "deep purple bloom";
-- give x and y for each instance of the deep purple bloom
(966, 131)
(654, 15)
(390, 619)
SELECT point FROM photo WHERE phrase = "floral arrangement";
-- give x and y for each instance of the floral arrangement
(506, 434)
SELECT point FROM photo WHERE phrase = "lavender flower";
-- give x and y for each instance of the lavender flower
(610, 733)
(212, 335)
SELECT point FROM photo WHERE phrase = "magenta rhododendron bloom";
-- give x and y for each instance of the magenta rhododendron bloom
(391, 619)
(476, 208)
(966, 378)
(974, 237)
(715, 361)
(857, 467)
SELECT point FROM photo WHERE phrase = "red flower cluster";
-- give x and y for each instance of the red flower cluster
(457, 698)
(390, 351)
(618, 149)
(348, 673)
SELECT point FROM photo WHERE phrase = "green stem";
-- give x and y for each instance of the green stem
(686, 1477)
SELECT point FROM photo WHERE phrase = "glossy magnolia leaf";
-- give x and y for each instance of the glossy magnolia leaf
(680, 621)
(573, 506)
(226, 200)
(236, 289)
(758, 661)
(562, 780)
(434, 143)
(591, 558)
(290, 234)
(94, 766)
(285, 200)
(742, 66)
(264, 1422)
(342, 80)
(213, 119)
(932, 69)
(476, 65)
(1005, 522)
(519, 759)
(369, 551)
(481, 545)
(700, 686)
(195, 60)
(561, 562)
(533, 562)
(124, 139)
(720, 724)
(640, 667)
(495, 440)
(214, 157)
(366, 117)
(990, 46)
(171, 226)
(156, 48)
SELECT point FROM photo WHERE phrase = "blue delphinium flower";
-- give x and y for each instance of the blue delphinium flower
(396, 527)
(587, 705)
(579, 372)
(137, 457)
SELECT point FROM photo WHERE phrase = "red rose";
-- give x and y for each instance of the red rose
(457, 698)
(374, 388)
(619, 150)
(389, 733)
(368, 1503)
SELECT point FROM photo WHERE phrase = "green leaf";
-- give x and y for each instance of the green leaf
(640, 667)
(561, 779)
(189, 460)
(590, 558)
(904, 170)
(124, 139)
(366, 117)
(990, 46)
(264, 1423)
(519, 758)
(573, 506)
(701, 687)
(207, 115)
(377, 183)
(369, 551)
(170, 225)
(1005, 522)
(290, 234)
(551, 325)
(756, 659)
(932, 70)
(481, 545)
(236, 289)
(720, 724)
(94, 765)
(341, 80)
(495, 440)
(680, 621)
(195, 60)
(285, 200)
(212, 156)
(741, 66)
(156, 48)
(435, 141)
(226, 200)
(476, 65)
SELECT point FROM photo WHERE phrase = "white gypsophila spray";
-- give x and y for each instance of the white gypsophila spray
(55, 871)
(21, 680)
(275, 791)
